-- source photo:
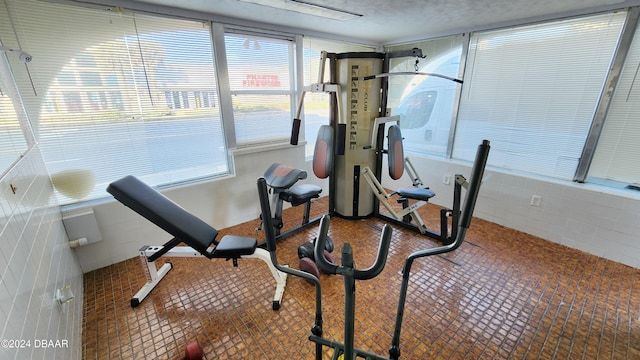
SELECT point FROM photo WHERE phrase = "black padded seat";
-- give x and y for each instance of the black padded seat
(301, 193)
(280, 176)
(416, 193)
(283, 179)
(177, 221)
(232, 246)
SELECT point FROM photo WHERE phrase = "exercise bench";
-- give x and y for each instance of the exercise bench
(188, 229)
(282, 181)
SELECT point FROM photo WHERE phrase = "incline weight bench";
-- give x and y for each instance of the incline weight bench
(186, 228)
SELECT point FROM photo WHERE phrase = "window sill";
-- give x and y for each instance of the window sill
(108, 198)
(258, 148)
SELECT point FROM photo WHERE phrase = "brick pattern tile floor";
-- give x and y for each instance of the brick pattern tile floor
(502, 295)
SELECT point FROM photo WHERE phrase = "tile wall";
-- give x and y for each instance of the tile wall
(35, 260)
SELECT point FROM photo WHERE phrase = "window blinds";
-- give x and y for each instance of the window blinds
(121, 93)
(260, 78)
(12, 139)
(532, 91)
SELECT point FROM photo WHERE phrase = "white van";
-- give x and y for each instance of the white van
(426, 105)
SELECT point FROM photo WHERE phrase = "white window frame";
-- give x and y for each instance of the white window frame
(231, 120)
(604, 160)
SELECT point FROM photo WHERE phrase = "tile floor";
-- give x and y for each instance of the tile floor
(502, 295)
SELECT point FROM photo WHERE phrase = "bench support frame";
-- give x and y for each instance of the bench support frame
(154, 275)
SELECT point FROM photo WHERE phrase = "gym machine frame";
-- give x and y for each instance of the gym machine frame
(347, 350)
(405, 216)
(454, 213)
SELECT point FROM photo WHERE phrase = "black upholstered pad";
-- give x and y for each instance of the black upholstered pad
(323, 152)
(396, 153)
(280, 176)
(163, 212)
(416, 193)
(301, 193)
(232, 246)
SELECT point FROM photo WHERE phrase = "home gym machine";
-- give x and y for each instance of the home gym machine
(347, 350)
(358, 88)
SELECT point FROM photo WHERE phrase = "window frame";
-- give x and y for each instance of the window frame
(629, 30)
(218, 31)
(227, 93)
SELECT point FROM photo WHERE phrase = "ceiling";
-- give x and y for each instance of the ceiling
(389, 21)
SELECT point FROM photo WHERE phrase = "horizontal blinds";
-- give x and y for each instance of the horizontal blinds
(13, 142)
(533, 91)
(121, 94)
(260, 78)
(12, 139)
(616, 155)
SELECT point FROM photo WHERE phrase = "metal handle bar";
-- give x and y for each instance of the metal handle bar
(347, 256)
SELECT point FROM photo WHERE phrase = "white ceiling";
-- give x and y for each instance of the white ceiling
(388, 21)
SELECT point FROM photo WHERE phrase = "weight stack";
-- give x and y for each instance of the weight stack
(360, 107)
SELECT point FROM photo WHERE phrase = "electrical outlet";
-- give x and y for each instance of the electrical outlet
(446, 179)
(536, 200)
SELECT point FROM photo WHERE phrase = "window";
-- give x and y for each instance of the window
(316, 106)
(12, 140)
(260, 77)
(90, 78)
(426, 104)
(114, 94)
(616, 155)
(533, 90)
